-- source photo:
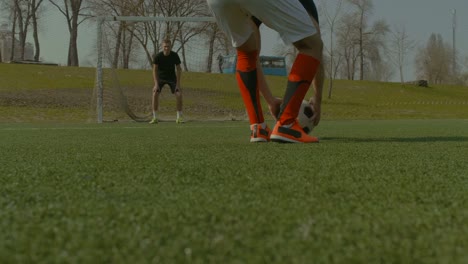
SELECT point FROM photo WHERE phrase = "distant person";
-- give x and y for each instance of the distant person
(292, 22)
(220, 63)
(167, 70)
(274, 102)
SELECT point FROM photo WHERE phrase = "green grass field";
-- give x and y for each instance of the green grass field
(387, 184)
(370, 192)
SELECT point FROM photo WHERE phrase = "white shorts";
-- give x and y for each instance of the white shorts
(287, 17)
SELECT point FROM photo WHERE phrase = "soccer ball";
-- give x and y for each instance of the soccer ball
(305, 113)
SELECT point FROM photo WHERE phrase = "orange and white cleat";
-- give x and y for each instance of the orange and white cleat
(291, 134)
(259, 134)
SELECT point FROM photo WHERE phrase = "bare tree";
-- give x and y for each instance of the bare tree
(331, 20)
(35, 4)
(25, 15)
(348, 45)
(183, 33)
(150, 34)
(23, 18)
(14, 18)
(127, 35)
(216, 44)
(364, 8)
(122, 36)
(2, 8)
(400, 45)
(75, 12)
(362, 45)
(434, 61)
(374, 47)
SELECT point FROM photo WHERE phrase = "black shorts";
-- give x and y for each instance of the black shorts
(172, 85)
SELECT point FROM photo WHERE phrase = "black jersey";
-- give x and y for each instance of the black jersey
(308, 5)
(167, 65)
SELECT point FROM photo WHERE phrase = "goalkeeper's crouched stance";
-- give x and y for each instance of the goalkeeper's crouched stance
(167, 71)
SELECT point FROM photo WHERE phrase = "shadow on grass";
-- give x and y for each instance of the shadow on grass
(395, 139)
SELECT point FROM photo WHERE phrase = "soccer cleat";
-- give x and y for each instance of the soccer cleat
(154, 121)
(259, 134)
(179, 120)
(293, 134)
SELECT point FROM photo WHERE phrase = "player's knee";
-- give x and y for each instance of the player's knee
(312, 42)
(312, 45)
(251, 44)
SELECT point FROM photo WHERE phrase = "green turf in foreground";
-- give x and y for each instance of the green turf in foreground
(370, 192)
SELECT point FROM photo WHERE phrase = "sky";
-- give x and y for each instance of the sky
(420, 18)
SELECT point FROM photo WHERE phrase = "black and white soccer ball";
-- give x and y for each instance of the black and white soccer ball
(305, 117)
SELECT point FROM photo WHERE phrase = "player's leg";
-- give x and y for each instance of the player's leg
(178, 95)
(247, 79)
(300, 78)
(233, 20)
(294, 25)
(272, 101)
(155, 103)
(317, 82)
(302, 73)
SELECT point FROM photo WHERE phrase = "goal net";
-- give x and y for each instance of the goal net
(124, 80)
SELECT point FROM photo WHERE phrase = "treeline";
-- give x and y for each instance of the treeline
(357, 47)
(126, 37)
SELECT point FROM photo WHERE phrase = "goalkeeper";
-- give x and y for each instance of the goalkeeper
(167, 70)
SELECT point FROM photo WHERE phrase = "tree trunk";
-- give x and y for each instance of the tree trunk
(73, 47)
(330, 83)
(21, 38)
(210, 51)
(401, 74)
(22, 33)
(361, 53)
(184, 58)
(126, 54)
(118, 43)
(13, 33)
(23, 24)
(184, 61)
(37, 46)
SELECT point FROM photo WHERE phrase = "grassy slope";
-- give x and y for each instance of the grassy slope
(350, 99)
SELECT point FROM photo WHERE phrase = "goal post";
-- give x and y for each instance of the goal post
(207, 93)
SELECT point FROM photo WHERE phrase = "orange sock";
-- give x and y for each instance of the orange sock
(299, 80)
(246, 75)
